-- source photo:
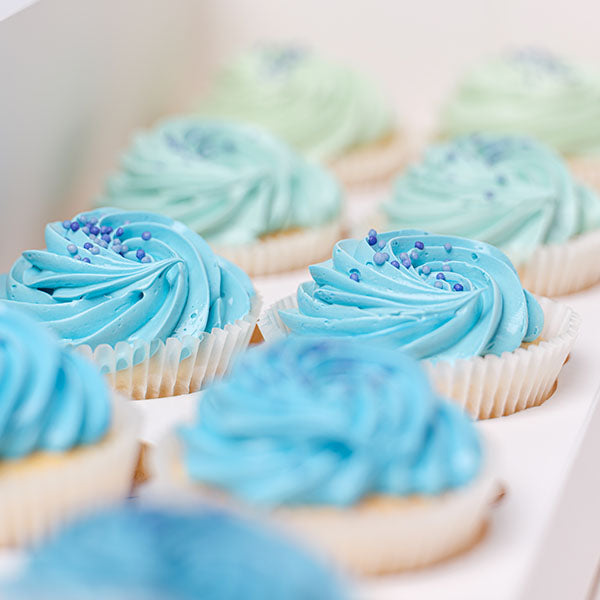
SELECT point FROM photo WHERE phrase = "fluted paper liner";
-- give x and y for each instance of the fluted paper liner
(487, 386)
(41, 492)
(159, 369)
(284, 251)
(559, 269)
(374, 164)
(381, 534)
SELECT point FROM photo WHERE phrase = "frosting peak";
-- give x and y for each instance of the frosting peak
(509, 191)
(432, 296)
(324, 421)
(109, 276)
(50, 399)
(318, 106)
(230, 183)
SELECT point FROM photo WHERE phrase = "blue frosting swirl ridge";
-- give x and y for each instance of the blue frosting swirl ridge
(435, 297)
(51, 399)
(146, 278)
(151, 554)
(326, 421)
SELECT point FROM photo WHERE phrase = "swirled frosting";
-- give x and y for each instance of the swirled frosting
(435, 297)
(508, 191)
(529, 92)
(230, 183)
(132, 553)
(320, 107)
(109, 276)
(325, 421)
(51, 399)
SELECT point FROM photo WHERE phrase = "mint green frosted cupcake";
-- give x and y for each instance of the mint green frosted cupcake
(514, 193)
(251, 197)
(326, 110)
(533, 92)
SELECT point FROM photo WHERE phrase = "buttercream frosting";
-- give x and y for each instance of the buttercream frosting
(319, 106)
(229, 182)
(109, 276)
(133, 553)
(325, 421)
(529, 91)
(509, 191)
(435, 297)
(51, 399)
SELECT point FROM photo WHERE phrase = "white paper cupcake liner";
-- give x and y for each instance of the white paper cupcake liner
(381, 534)
(586, 170)
(178, 366)
(559, 269)
(374, 165)
(487, 386)
(41, 492)
(285, 251)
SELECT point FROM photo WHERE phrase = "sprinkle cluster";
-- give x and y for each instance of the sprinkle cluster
(102, 237)
(406, 260)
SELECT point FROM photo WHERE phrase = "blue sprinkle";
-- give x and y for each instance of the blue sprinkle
(146, 259)
(403, 256)
(386, 256)
(395, 263)
(438, 284)
(372, 233)
(86, 259)
(103, 244)
(448, 246)
(407, 263)
(86, 230)
(146, 235)
(82, 219)
(354, 276)
(106, 229)
(77, 257)
(124, 249)
(381, 244)
(74, 226)
(426, 269)
(440, 276)
(119, 232)
(66, 224)
(140, 253)
(378, 258)
(116, 242)
(92, 220)
(447, 268)
(372, 240)
(419, 245)
(72, 248)
(458, 287)
(95, 250)
(94, 230)
(106, 238)
(88, 245)
(414, 254)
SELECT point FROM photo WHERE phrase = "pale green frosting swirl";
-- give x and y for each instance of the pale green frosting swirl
(319, 106)
(508, 191)
(230, 183)
(529, 92)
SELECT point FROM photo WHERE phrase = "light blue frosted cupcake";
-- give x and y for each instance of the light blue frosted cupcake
(453, 303)
(134, 553)
(347, 445)
(66, 445)
(141, 294)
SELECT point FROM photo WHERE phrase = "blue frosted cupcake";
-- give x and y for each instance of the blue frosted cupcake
(134, 553)
(347, 445)
(141, 294)
(66, 446)
(247, 193)
(456, 304)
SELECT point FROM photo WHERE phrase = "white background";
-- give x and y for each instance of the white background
(77, 76)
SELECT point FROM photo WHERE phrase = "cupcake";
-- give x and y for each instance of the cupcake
(533, 92)
(326, 110)
(140, 294)
(511, 192)
(66, 446)
(344, 444)
(248, 194)
(455, 304)
(147, 553)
